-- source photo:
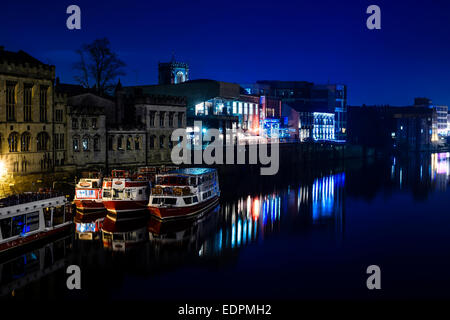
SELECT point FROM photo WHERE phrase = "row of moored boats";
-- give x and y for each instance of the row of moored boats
(165, 192)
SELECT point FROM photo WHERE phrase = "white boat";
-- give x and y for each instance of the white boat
(29, 217)
(184, 192)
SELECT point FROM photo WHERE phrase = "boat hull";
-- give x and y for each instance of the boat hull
(118, 206)
(89, 205)
(21, 242)
(183, 212)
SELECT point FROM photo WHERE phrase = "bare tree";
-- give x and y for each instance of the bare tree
(98, 65)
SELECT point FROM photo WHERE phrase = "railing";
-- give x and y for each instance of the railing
(28, 197)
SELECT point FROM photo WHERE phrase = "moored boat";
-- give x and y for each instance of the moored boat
(88, 193)
(29, 217)
(125, 192)
(184, 192)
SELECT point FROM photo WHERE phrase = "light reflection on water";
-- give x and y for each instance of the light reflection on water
(237, 223)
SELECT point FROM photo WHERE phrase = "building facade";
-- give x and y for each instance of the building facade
(26, 113)
(160, 116)
(327, 98)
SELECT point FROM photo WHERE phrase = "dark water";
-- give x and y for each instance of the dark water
(306, 233)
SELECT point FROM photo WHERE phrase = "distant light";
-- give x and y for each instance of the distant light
(3, 170)
(204, 130)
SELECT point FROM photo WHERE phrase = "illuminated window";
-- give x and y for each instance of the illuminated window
(85, 143)
(76, 144)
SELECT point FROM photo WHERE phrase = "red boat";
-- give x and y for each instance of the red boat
(124, 192)
(184, 193)
(88, 193)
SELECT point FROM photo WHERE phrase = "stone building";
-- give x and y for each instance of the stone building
(126, 147)
(26, 114)
(158, 115)
(86, 130)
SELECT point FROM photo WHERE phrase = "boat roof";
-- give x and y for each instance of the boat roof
(192, 171)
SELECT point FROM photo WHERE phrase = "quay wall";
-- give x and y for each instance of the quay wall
(290, 155)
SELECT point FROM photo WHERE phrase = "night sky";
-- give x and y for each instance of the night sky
(244, 41)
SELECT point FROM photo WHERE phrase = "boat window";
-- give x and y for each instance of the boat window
(193, 181)
(170, 201)
(187, 200)
(156, 200)
(18, 225)
(106, 236)
(5, 226)
(206, 195)
(47, 217)
(117, 193)
(195, 199)
(32, 221)
(58, 215)
(106, 194)
(140, 191)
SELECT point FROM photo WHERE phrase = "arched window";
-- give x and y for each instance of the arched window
(137, 143)
(120, 143)
(25, 141)
(129, 142)
(13, 141)
(152, 142)
(161, 142)
(76, 143)
(42, 141)
(85, 143)
(180, 77)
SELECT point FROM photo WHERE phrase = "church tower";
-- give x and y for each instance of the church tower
(173, 72)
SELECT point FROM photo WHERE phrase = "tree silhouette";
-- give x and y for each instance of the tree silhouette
(98, 66)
